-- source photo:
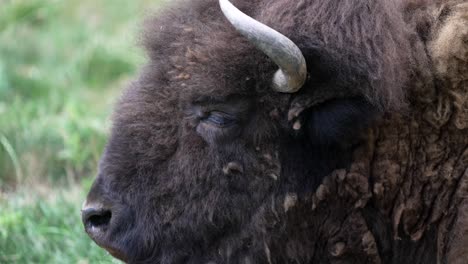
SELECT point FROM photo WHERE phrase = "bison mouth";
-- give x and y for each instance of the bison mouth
(110, 245)
(117, 254)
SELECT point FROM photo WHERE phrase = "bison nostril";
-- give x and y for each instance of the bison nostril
(100, 219)
(95, 219)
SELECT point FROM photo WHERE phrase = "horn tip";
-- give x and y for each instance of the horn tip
(283, 84)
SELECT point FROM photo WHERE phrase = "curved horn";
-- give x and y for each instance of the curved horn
(293, 69)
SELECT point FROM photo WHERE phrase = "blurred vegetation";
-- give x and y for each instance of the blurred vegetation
(61, 62)
(62, 65)
(35, 229)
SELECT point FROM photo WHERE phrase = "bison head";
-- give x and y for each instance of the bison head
(212, 145)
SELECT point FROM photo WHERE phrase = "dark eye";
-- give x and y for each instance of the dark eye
(220, 119)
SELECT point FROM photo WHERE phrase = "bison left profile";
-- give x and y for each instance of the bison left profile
(300, 131)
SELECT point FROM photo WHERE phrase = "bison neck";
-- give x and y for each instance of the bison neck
(401, 199)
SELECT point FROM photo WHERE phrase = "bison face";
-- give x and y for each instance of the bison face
(205, 158)
(174, 183)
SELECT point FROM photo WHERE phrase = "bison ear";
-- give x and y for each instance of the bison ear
(340, 121)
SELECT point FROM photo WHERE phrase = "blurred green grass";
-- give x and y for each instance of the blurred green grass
(38, 229)
(61, 62)
(62, 65)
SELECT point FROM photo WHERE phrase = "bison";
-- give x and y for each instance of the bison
(291, 132)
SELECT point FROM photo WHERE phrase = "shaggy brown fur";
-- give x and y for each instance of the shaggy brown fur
(207, 164)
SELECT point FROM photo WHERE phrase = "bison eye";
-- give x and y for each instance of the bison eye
(220, 119)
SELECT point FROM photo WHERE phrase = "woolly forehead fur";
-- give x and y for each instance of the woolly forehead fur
(362, 45)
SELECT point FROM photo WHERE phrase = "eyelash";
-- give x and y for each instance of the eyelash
(220, 119)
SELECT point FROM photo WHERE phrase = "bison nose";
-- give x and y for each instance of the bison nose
(95, 219)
